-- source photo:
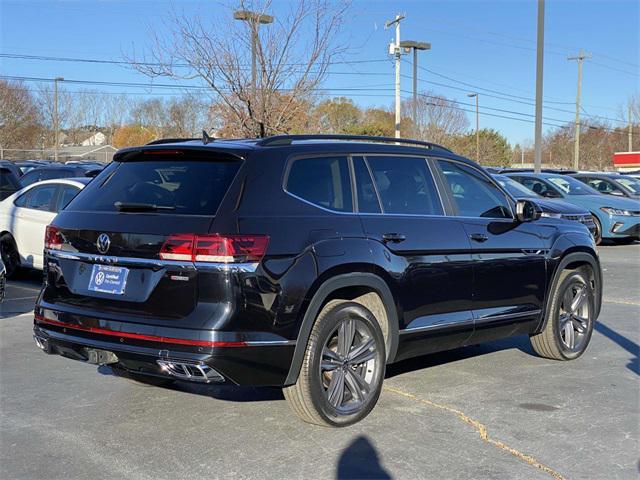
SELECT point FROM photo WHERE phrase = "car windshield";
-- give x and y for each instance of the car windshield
(515, 188)
(571, 186)
(630, 183)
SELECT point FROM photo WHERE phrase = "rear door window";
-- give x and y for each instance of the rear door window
(366, 192)
(42, 198)
(173, 186)
(405, 185)
(322, 181)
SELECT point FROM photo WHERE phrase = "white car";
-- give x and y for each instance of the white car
(24, 216)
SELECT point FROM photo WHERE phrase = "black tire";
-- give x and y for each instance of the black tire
(149, 380)
(597, 236)
(552, 341)
(10, 255)
(309, 396)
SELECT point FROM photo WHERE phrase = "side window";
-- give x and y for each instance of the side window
(323, 181)
(39, 198)
(473, 193)
(405, 185)
(29, 178)
(65, 195)
(366, 192)
(539, 187)
(54, 173)
(603, 186)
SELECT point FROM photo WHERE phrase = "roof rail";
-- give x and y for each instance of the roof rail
(171, 140)
(280, 140)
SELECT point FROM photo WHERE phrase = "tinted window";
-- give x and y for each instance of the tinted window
(52, 173)
(322, 181)
(538, 186)
(571, 186)
(473, 193)
(65, 195)
(29, 178)
(39, 198)
(181, 187)
(514, 188)
(630, 183)
(366, 193)
(405, 185)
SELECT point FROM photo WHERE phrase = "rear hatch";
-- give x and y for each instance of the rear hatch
(117, 246)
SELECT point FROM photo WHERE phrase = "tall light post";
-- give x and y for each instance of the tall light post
(472, 95)
(408, 45)
(580, 58)
(539, 84)
(396, 51)
(56, 122)
(255, 20)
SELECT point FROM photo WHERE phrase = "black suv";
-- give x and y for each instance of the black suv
(306, 262)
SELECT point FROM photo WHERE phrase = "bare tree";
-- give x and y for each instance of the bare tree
(438, 118)
(293, 55)
(19, 117)
(46, 103)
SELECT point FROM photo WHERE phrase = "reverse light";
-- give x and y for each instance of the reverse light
(215, 248)
(53, 238)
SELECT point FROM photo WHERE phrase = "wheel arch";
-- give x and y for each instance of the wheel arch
(360, 286)
(572, 259)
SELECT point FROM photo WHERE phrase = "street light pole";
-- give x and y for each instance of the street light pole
(255, 20)
(415, 46)
(539, 77)
(56, 123)
(395, 48)
(471, 95)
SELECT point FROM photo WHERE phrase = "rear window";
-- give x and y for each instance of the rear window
(176, 187)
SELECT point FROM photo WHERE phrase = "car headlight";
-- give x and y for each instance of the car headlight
(616, 211)
(551, 215)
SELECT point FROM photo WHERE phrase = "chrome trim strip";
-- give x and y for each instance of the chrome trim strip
(269, 343)
(436, 326)
(505, 316)
(150, 262)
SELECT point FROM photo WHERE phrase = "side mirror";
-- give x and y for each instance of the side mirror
(527, 211)
(550, 194)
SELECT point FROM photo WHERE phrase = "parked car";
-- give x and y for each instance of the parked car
(12, 167)
(3, 279)
(306, 262)
(9, 183)
(54, 171)
(611, 184)
(26, 166)
(615, 218)
(25, 215)
(552, 208)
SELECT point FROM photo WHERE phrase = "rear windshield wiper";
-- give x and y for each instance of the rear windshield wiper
(141, 207)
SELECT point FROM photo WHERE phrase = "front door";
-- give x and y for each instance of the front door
(425, 252)
(509, 274)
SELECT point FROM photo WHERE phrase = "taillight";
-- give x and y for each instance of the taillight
(53, 238)
(215, 248)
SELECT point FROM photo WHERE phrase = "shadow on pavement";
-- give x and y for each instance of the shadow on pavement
(630, 346)
(21, 293)
(360, 461)
(418, 363)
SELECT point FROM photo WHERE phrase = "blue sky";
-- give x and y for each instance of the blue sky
(490, 46)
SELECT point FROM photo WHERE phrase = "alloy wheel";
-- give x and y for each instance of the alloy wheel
(349, 365)
(575, 315)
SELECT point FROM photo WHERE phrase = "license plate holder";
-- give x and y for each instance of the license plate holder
(108, 279)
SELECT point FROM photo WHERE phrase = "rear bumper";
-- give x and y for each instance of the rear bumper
(248, 360)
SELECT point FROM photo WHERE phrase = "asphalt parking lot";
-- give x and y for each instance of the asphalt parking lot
(489, 411)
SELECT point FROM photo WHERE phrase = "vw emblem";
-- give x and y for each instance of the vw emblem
(103, 243)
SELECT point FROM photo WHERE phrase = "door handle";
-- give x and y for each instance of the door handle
(478, 237)
(393, 237)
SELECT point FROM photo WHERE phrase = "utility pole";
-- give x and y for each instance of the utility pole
(539, 77)
(395, 49)
(471, 95)
(56, 122)
(408, 45)
(576, 147)
(630, 130)
(255, 20)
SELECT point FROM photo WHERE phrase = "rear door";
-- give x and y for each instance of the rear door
(509, 273)
(425, 252)
(34, 211)
(122, 219)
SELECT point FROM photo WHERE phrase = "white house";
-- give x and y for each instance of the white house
(95, 140)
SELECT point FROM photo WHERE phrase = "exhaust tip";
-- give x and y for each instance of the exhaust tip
(191, 371)
(42, 343)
